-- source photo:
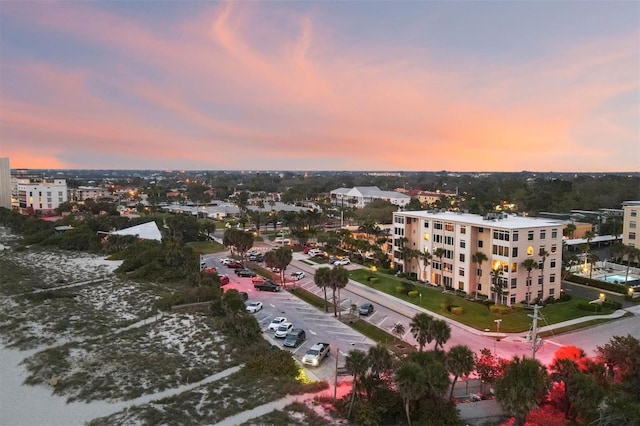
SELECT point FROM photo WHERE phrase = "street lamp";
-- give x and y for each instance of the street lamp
(420, 294)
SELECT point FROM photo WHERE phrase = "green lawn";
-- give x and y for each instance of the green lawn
(205, 247)
(474, 314)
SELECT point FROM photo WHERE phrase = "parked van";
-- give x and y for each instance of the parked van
(294, 338)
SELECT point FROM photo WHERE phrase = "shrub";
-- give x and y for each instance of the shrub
(400, 289)
(612, 304)
(500, 309)
(564, 297)
(413, 293)
(456, 310)
(589, 307)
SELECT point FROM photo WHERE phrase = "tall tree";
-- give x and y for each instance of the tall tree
(459, 362)
(356, 364)
(439, 253)
(410, 378)
(279, 258)
(478, 258)
(322, 278)
(529, 264)
(420, 327)
(522, 386)
(498, 285)
(339, 280)
(425, 256)
(441, 332)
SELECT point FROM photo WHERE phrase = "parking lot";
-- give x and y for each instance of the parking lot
(318, 325)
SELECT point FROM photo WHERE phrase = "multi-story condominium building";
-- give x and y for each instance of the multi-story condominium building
(360, 196)
(41, 197)
(82, 193)
(458, 241)
(630, 221)
(5, 183)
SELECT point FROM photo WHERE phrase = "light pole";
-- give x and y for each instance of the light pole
(497, 321)
(420, 294)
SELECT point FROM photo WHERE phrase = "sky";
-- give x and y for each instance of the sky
(321, 85)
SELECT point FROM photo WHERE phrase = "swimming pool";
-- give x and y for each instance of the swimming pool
(617, 278)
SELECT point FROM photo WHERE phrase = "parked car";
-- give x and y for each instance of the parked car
(316, 354)
(267, 285)
(224, 279)
(257, 279)
(244, 272)
(307, 249)
(275, 323)
(343, 261)
(244, 295)
(314, 252)
(366, 309)
(253, 307)
(225, 260)
(234, 264)
(209, 270)
(258, 257)
(283, 329)
(294, 338)
(297, 275)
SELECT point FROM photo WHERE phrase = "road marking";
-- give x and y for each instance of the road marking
(313, 332)
(272, 305)
(552, 342)
(383, 320)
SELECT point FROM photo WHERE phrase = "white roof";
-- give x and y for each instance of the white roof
(506, 221)
(146, 231)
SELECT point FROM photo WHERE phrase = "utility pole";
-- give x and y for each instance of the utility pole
(335, 382)
(534, 330)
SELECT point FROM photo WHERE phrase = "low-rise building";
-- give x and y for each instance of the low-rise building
(41, 197)
(360, 196)
(631, 213)
(472, 253)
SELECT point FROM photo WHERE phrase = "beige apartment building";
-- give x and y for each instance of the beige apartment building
(630, 220)
(506, 241)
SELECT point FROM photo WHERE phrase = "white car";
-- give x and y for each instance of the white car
(253, 307)
(343, 261)
(283, 330)
(297, 275)
(275, 323)
(225, 260)
(314, 252)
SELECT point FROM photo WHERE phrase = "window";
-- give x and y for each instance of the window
(554, 233)
(514, 283)
(480, 244)
(514, 236)
(449, 227)
(552, 291)
(437, 238)
(501, 235)
(500, 250)
(481, 230)
(528, 282)
(398, 231)
(543, 234)
(632, 224)
(448, 254)
(425, 236)
(530, 251)
(528, 296)
(530, 236)
(513, 299)
(461, 272)
(634, 213)
(448, 240)
(514, 252)
(426, 224)
(539, 294)
(436, 265)
(479, 272)
(540, 280)
(463, 230)
(460, 285)
(632, 235)
(447, 281)
(463, 244)
(552, 278)
(554, 248)
(552, 263)
(437, 225)
(462, 257)
(479, 286)
(514, 267)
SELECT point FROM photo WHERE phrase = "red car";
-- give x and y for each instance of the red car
(209, 270)
(224, 279)
(235, 265)
(257, 279)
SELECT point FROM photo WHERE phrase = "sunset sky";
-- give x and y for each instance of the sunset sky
(321, 85)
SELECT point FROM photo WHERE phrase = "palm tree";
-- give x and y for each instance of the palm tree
(593, 259)
(420, 327)
(498, 286)
(398, 330)
(459, 362)
(543, 255)
(478, 257)
(380, 360)
(569, 229)
(425, 256)
(439, 253)
(356, 364)
(441, 332)
(322, 279)
(339, 280)
(632, 253)
(562, 371)
(524, 383)
(529, 265)
(410, 380)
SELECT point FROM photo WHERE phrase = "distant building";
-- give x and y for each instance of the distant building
(41, 198)
(506, 240)
(5, 183)
(631, 213)
(360, 196)
(82, 193)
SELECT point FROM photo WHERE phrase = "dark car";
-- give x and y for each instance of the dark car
(258, 257)
(267, 285)
(294, 338)
(244, 295)
(245, 272)
(235, 265)
(366, 309)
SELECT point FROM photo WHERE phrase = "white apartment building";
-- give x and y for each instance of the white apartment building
(43, 197)
(360, 196)
(82, 193)
(506, 241)
(630, 221)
